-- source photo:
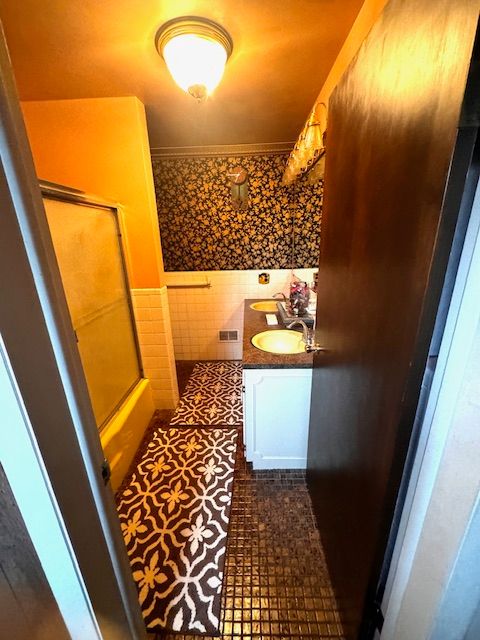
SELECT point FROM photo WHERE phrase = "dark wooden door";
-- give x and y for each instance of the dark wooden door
(391, 134)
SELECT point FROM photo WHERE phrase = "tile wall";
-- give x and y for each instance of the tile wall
(152, 318)
(198, 314)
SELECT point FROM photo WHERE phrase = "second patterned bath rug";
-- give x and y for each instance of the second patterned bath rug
(174, 516)
(213, 395)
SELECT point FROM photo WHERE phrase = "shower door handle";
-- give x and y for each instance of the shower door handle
(106, 471)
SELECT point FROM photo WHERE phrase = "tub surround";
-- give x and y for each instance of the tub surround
(152, 319)
(122, 435)
(253, 358)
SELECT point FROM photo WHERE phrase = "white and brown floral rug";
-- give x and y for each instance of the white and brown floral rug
(213, 395)
(174, 515)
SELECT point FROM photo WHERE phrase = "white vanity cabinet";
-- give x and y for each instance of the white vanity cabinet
(276, 414)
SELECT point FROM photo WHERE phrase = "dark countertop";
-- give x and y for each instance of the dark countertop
(253, 358)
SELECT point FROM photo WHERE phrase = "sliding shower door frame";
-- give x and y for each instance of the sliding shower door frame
(62, 193)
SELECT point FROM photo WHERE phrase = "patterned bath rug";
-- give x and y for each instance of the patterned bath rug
(174, 516)
(213, 395)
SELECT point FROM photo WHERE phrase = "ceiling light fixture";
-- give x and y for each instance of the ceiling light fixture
(195, 51)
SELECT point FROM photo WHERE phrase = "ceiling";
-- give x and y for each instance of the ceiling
(282, 53)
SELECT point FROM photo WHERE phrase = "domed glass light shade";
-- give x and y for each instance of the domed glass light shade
(195, 51)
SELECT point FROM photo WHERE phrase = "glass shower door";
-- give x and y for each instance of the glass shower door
(87, 246)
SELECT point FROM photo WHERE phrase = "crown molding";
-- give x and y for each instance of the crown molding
(265, 148)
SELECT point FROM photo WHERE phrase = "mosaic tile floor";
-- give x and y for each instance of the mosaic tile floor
(276, 584)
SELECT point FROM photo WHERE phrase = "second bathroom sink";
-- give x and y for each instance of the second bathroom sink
(280, 341)
(268, 306)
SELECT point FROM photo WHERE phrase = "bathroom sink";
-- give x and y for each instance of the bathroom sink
(279, 341)
(268, 306)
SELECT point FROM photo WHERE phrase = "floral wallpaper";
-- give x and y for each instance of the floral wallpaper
(201, 230)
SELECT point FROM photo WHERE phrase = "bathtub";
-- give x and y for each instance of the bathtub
(123, 433)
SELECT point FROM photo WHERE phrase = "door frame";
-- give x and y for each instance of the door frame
(43, 358)
(458, 209)
(433, 454)
(29, 483)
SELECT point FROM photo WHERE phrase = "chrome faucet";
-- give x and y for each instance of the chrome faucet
(280, 294)
(308, 336)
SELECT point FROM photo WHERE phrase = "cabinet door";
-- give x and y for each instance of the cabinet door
(277, 406)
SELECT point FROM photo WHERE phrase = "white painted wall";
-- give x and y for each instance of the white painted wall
(448, 486)
(459, 612)
(197, 315)
(33, 493)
